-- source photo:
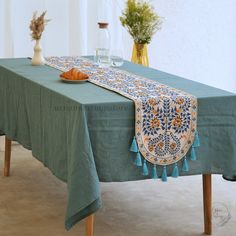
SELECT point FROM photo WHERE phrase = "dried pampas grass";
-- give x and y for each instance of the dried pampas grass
(37, 25)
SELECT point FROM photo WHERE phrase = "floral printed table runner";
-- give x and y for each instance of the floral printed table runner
(165, 117)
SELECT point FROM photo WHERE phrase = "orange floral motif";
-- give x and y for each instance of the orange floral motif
(152, 101)
(180, 101)
(150, 148)
(177, 121)
(178, 110)
(146, 139)
(155, 112)
(160, 145)
(155, 123)
(173, 146)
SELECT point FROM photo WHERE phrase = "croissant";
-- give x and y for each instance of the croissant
(74, 74)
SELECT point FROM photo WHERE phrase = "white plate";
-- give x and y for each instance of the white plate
(73, 81)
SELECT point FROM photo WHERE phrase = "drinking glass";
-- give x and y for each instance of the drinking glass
(117, 58)
(103, 57)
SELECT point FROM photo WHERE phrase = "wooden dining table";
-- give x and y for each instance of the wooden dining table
(82, 132)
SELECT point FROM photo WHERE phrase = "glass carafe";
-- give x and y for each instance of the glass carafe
(103, 45)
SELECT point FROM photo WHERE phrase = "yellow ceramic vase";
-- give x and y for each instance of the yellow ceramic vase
(140, 55)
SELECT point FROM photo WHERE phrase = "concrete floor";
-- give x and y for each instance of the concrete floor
(32, 203)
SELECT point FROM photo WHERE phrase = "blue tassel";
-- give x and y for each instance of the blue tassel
(164, 174)
(193, 154)
(145, 168)
(175, 172)
(134, 146)
(138, 160)
(154, 172)
(196, 142)
(185, 165)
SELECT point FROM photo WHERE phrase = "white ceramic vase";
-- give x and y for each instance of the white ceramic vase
(38, 58)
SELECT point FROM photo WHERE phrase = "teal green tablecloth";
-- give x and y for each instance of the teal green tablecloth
(82, 132)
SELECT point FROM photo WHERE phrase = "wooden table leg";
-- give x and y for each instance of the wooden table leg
(7, 156)
(207, 203)
(90, 225)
